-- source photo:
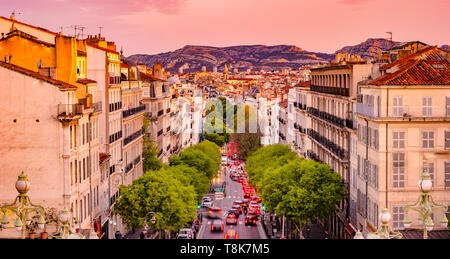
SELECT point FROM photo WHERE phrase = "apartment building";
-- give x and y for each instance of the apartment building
(283, 121)
(300, 99)
(403, 120)
(332, 91)
(156, 98)
(132, 122)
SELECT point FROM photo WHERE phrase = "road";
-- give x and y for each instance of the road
(233, 192)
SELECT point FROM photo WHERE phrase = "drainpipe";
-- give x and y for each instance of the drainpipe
(387, 115)
(366, 169)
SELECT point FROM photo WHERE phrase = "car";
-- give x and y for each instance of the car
(185, 233)
(235, 212)
(254, 212)
(231, 219)
(238, 208)
(217, 225)
(256, 199)
(206, 204)
(215, 213)
(250, 219)
(254, 207)
(231, 234)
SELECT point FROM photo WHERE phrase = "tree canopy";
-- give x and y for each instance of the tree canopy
(171, 191)
(297, 188)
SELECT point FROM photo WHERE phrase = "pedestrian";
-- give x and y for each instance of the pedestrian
(118, 235)
(142, 235)
(308, 231)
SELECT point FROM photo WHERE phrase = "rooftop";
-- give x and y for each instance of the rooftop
(36, 75)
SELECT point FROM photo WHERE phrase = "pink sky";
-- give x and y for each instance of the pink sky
(155, 26)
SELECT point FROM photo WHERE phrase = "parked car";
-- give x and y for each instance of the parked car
(186, 233)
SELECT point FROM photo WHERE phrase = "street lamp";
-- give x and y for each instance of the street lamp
(384, 231)
(153, 220)
(424, 206)
(23, 208)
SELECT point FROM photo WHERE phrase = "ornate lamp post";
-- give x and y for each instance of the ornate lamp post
(384, 232)
(145, 222)
(23, 208)
(424, 206)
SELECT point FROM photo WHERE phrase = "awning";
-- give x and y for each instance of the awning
(350, 230)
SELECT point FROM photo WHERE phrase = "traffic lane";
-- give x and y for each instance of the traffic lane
(234, 192)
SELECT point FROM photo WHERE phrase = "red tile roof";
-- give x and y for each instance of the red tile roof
(124, 65)
(103, 157)
(145, 76)
(36, 75)
(26, 36)
(428, 66)
(104, 49)
(86, 81)
(35, 27)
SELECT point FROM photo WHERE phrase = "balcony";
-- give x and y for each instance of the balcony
(129, 167)
(137, 160)
(160, 113)
(326, 117)
(133, 136)
(331, 146)
(331, 90)
(310, 154)
(98, 107)
(114, 137)
(160, 133)
(133, 111)
(168, 110)
(115, 106)
(115, 80)
(68, 112)
(364, 109)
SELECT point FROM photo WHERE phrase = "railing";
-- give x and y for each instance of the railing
(326, 116)
(114, 80)
(137, 160)
(161, 112)
(115, 136)
(70, 109)
(129, 167)
(133, 136)
(364, 109)
(168, 148)
(331, 146)
(331, 90)
(160, 133)
(310, 154)
(97, 107)
(133, 111)
(349, 123)
(115, 106)
(168, 110)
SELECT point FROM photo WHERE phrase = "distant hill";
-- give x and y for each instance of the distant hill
(193, 58)
(256, 57)
(369, 48)
(446, 47)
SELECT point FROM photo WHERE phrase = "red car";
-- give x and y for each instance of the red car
(231, 234)
(231, 219)
(256, 199)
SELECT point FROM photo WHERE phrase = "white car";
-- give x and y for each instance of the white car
(186, 233)
(206, 202)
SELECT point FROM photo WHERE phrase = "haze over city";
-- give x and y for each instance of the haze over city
(155, 26)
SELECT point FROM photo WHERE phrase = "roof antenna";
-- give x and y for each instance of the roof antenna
(13, 15)
(100, 33)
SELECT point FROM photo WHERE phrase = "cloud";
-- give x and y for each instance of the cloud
(353, 2)
(131, 6)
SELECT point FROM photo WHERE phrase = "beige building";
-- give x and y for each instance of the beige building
(156, 97)
(333, 90)
(403, 129)
(300, 98)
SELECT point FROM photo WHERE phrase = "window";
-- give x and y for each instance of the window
(398, 172)
(397, 217)
(397, 106)
(447, 105)
(398, 139)
(430, 170)
(428, 139)
(447, 174)
(447, 140)
(426, 106)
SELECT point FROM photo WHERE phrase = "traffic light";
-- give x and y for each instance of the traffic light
(198, 206)
(263, 207)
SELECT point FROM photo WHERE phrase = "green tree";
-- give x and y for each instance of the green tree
(299, 189)
(197, 159)
(216, 138)
(174, 204)
(149, 150)
(190, 176)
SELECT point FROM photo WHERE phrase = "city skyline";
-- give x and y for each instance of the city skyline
(167, 25)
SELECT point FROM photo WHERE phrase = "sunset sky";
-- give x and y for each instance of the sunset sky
(155, 26)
